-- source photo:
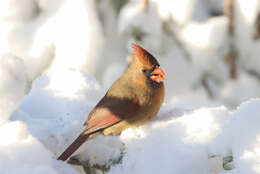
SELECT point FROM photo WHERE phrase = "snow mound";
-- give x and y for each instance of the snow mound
(186, 143)
(240, 137)
(172, 145)
(60, 101)
(56, 99)
(22, 153)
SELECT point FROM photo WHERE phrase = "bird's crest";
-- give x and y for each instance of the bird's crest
(143, 56)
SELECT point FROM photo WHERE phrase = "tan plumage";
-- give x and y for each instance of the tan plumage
(132, 100)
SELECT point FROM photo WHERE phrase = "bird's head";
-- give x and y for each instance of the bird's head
(148, 65)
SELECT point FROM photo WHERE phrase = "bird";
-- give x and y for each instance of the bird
(132, 100)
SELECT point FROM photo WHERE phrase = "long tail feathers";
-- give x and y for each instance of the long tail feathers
(73, 147)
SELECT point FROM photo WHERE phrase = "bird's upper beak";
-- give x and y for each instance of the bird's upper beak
(157, 75)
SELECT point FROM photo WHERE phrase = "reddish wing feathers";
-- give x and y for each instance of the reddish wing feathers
(102, 119)
(110, 111)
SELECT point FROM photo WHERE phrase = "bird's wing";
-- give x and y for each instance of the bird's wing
(110, 111)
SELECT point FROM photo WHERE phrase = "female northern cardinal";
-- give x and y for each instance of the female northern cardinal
(132, 100)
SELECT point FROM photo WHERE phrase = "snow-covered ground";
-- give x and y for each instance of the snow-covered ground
(58, 57)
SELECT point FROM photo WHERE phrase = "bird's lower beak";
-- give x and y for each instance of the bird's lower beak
(157, 75)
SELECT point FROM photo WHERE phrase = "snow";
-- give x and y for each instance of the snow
(41, 41)
(12, 72)
(179, 11)
(22, 153)
(248, 49)
(49, 106)
(231, 92)
(58, 58)
(82, 22)
(174, 145)
(19, 147)
(241, 135)
(133, 20)
(11, 10)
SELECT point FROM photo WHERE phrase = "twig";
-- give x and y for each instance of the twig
(231, 57)
(145, 5)
(254, 73)
(204, 82)
(256, 34)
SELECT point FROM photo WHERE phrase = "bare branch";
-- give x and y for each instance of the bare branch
(145, 5)
(231, 57)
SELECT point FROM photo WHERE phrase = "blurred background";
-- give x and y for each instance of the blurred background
(209, 49)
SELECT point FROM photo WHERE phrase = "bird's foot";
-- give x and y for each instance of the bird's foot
(228, 163)
(93, 168)
(87, 167)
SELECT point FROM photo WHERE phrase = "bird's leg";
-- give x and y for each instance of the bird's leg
(89, 169)
(93, 169)
(228, 162)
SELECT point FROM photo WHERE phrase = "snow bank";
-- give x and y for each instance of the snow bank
(65, 34)
(240, 136)
(22, 153)
(184, 142)
(57, 106)
(37, 38)
(177, 141)
(172, 143)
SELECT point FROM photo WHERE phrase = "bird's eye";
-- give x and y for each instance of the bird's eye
(155, 66)
(144, 70)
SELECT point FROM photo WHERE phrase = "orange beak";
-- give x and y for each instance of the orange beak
(157, 75)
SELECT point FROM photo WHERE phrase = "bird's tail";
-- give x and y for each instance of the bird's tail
(73, 147)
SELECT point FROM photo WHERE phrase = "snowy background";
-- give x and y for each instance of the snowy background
(58, 58)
